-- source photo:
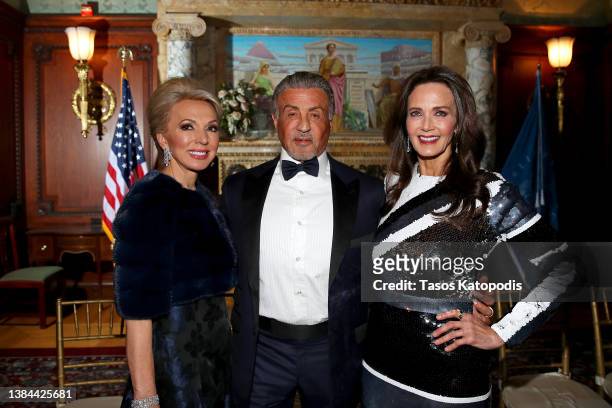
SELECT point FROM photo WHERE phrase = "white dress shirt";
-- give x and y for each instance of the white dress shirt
(297, 226)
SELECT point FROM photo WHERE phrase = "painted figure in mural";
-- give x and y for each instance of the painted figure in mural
(262, 79)
(333, 70)
(391, 87)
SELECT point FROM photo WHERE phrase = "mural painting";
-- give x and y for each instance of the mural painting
(365, 73)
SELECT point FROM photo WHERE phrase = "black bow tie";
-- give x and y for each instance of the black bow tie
(290, 169)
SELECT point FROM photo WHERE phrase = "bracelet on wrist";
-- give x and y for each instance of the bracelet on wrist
(147, 402)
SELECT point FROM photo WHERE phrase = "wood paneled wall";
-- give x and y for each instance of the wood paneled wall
(11, 140)
(64, 172)
(582, 154)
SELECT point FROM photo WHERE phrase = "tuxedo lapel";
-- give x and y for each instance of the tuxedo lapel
(255, 191)
(345, 195)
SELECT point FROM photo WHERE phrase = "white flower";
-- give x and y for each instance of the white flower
(236, 115)
(239, 98)
(240, 91)
(222, 94)
(231, 91)
(244, 107)
(233, 103)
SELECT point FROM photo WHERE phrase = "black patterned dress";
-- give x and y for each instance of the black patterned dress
(175, 260)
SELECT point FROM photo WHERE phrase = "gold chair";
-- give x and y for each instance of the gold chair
(600, 321)
(95, 327)
(549, 389)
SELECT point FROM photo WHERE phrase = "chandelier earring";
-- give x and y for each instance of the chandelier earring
(408, 146)
(167, 157)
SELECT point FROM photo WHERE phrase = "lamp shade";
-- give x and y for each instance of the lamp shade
(560, 51)
(81, 41)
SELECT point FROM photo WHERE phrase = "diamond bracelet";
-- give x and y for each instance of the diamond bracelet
(146, 402)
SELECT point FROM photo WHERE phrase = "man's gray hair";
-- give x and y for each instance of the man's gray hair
(305, 80)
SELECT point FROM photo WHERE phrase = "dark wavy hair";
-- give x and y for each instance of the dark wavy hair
(464, 181)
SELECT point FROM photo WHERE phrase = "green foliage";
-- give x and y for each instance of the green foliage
(353, 119)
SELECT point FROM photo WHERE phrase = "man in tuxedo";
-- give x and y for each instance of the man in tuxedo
(298, 221)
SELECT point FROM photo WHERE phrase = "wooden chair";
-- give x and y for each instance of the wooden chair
(600, 311)
(99, 324)
(35, 277)
(547, 389)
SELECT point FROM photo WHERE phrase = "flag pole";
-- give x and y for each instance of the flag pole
(124, 53)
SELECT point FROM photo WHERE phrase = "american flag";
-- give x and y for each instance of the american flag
(126, 161)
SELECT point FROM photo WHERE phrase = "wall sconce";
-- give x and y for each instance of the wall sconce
(93, 102)
(560, 56)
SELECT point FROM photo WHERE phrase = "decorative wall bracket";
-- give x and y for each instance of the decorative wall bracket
(101, 103)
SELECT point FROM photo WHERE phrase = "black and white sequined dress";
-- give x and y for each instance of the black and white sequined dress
(398, 346)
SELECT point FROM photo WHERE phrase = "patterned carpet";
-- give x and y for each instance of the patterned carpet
(42, 371)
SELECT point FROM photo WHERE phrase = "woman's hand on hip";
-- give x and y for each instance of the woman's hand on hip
(468, 330)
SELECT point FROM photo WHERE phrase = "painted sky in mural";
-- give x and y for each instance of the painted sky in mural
(288, 53)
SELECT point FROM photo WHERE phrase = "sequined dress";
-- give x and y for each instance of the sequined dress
(398, 346)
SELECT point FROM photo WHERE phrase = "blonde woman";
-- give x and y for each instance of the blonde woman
(175, 260)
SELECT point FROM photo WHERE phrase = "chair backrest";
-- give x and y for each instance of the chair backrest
(600, 311)
(9, 259)
(550, 340)
(93, 320)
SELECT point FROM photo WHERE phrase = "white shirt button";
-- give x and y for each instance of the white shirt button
(298, 259)
(299, 222)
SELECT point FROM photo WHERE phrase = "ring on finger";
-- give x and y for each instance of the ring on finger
(459, 314)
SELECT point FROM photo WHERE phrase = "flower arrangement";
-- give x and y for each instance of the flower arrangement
(238, 107)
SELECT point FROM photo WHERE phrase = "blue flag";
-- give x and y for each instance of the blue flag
(529, 165)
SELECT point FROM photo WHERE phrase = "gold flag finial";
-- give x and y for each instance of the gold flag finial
(124, 54)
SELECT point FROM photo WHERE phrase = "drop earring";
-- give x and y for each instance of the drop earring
(408, 146)
(167, 157)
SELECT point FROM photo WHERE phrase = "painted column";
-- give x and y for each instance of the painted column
(175, 33)
(480, 40)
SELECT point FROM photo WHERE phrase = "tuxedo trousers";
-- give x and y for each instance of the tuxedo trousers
(283, 367)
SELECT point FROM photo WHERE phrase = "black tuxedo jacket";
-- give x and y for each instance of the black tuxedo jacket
(357, 199)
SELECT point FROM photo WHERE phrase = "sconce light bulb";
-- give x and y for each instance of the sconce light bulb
(560, 51)
(81, 42)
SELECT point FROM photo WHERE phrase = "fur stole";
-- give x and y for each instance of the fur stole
(172, 247)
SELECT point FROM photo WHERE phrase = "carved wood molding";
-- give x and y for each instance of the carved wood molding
(43, 53)
(359, 14)
(452, 3)
(17, 112)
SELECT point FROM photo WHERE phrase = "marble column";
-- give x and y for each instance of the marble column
(480, 40)
(175, 33)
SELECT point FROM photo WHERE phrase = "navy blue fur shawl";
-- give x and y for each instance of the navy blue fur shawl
(172, 247)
